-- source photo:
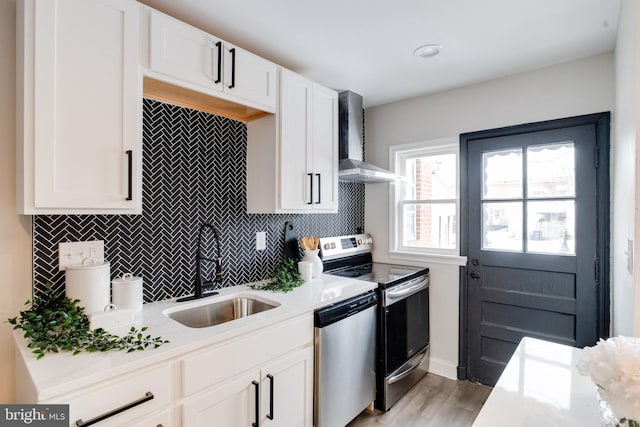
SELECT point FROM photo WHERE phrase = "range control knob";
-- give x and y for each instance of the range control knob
(360, 242)
(327, 246)
(333, 245)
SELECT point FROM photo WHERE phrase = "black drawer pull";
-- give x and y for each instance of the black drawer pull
(257, 386)
(129, 174)
(147, 397)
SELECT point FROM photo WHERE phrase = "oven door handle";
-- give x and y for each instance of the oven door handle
(410, 288)
(412, 366)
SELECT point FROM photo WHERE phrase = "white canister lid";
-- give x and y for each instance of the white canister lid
(88, 264)
(126, 278)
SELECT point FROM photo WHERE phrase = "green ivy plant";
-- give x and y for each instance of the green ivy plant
(286, 277)
(56, 323)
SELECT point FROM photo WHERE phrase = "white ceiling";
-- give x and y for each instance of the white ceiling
(366, 45)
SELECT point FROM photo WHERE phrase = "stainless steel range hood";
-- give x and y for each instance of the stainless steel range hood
(351, 166)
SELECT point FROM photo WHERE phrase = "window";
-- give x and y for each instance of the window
(424, 212)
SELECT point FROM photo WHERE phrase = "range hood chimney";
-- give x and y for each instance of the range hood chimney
(351, 166)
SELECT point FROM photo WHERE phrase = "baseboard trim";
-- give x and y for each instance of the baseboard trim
(443, 368)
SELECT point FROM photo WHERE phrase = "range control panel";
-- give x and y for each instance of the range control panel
(342, 246)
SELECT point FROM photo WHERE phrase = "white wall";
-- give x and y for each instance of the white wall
(624, 175)
(15, 231)
(574, 88)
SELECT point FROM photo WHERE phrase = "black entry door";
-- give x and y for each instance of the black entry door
(535, 238)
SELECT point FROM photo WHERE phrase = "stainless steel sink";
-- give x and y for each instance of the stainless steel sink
(218, 312)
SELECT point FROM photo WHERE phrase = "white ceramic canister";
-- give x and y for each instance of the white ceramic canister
(127, 292)
(89, 283)
(313, 258)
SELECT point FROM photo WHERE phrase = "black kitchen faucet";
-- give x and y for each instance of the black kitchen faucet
(216, 277)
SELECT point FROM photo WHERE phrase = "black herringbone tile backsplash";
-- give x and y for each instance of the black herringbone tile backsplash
(194, 172)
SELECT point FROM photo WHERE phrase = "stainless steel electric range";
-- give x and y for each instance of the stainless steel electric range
(402, 353)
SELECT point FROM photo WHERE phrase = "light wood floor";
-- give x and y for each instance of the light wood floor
(434, 402)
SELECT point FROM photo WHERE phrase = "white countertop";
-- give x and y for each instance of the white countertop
(540, 386)
(56, 374)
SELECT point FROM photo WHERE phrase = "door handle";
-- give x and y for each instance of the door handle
(310, 202)
(475, 274)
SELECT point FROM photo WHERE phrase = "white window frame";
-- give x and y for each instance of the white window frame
(397, 154)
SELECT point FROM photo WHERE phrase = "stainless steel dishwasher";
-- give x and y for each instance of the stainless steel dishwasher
(345, 349)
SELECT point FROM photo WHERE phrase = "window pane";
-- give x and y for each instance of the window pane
(551, 170)
(502, 174)
(430, 177)
(409, 185)
(502, 226)
(429, 225)
(551, 227)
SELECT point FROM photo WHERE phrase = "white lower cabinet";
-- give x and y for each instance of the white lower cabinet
(234, 385)
(279, 395)
(262, 376)
(230, 404)
(287, 391)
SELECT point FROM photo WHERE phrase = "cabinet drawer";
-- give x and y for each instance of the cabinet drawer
(224, 361)
(104, 398)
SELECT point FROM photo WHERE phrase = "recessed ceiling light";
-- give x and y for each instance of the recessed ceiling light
(427, 50)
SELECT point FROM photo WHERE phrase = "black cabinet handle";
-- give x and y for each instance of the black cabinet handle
(319, 189)
(129, 175)
(257, 386)
(475, 274)
(233, 68)
(270, 414)
(310, 202)
(147, 397)
(219, 46)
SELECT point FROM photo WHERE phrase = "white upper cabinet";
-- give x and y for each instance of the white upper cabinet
(292, 161)
(79, 107)
(324, 131)
(186, 56)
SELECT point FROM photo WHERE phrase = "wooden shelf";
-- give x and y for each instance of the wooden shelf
(176, 95)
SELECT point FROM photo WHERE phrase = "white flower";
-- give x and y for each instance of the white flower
(614, 365)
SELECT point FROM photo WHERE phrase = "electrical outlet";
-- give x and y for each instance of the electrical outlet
(261, 240)
(75, 253)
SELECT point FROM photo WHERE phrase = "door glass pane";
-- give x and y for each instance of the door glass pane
(429, 225)
(502, 226)
(502, 171)
(551, 170)
(551, 227)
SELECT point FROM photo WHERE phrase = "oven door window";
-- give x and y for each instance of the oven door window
(407, 329)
